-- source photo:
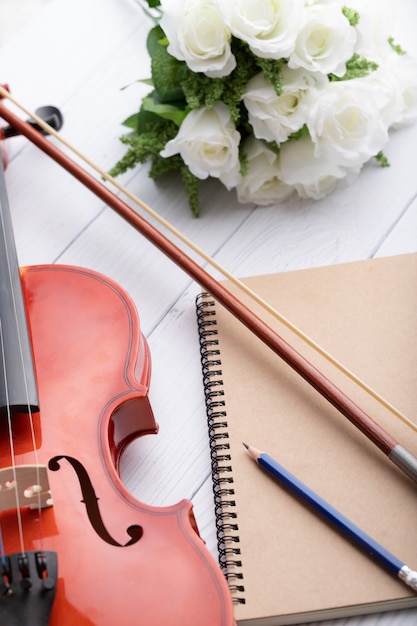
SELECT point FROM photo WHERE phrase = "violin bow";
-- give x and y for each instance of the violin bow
(396, 452)
(49, 130)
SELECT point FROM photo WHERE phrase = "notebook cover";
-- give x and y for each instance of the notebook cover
(294, 566)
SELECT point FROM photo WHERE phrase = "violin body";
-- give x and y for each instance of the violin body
(119, 561)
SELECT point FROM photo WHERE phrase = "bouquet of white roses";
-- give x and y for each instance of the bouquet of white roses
(271, 97)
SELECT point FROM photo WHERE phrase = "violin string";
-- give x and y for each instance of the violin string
(234, 280)
(2, 551)
(11, 443)
(28, 405)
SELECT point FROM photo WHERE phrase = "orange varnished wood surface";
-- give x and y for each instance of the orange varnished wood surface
(93, 372)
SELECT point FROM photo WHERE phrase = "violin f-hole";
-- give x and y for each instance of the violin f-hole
(90, 500)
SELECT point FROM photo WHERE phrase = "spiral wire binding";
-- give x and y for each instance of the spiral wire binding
(223, 491)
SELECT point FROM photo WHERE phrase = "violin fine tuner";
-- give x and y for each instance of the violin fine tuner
(27, 588)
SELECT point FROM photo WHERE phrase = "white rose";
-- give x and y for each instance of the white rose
(268, 26)
(207, 141)
(198, 35)
(325, 41)
(275, 117)
(262, 183)
(340, 3)
(311, 176)
(375, 26)
(345, 123)
(384, 82)
(405, 73)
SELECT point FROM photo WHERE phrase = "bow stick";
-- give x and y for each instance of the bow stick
(397, 453)
(48, 129)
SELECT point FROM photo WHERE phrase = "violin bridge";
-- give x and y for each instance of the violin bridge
(24, 485)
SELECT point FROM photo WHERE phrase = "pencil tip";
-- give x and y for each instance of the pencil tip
(253, 452)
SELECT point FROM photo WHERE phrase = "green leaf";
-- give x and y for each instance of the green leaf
(146, 81)
(131, 121)
(167, 111)
(166, 70)
(154, 37)
(144, 120)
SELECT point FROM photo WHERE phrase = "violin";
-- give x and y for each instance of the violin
(76, 549)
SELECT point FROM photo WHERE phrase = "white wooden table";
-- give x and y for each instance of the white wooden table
(77, 55)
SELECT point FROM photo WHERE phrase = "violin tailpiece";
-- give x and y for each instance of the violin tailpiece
(28, 585)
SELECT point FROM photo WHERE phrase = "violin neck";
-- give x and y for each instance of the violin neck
(18, 392)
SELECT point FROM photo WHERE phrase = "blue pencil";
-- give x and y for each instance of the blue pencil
(350, 530)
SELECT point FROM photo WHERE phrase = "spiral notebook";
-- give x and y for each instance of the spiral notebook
(284, 564)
